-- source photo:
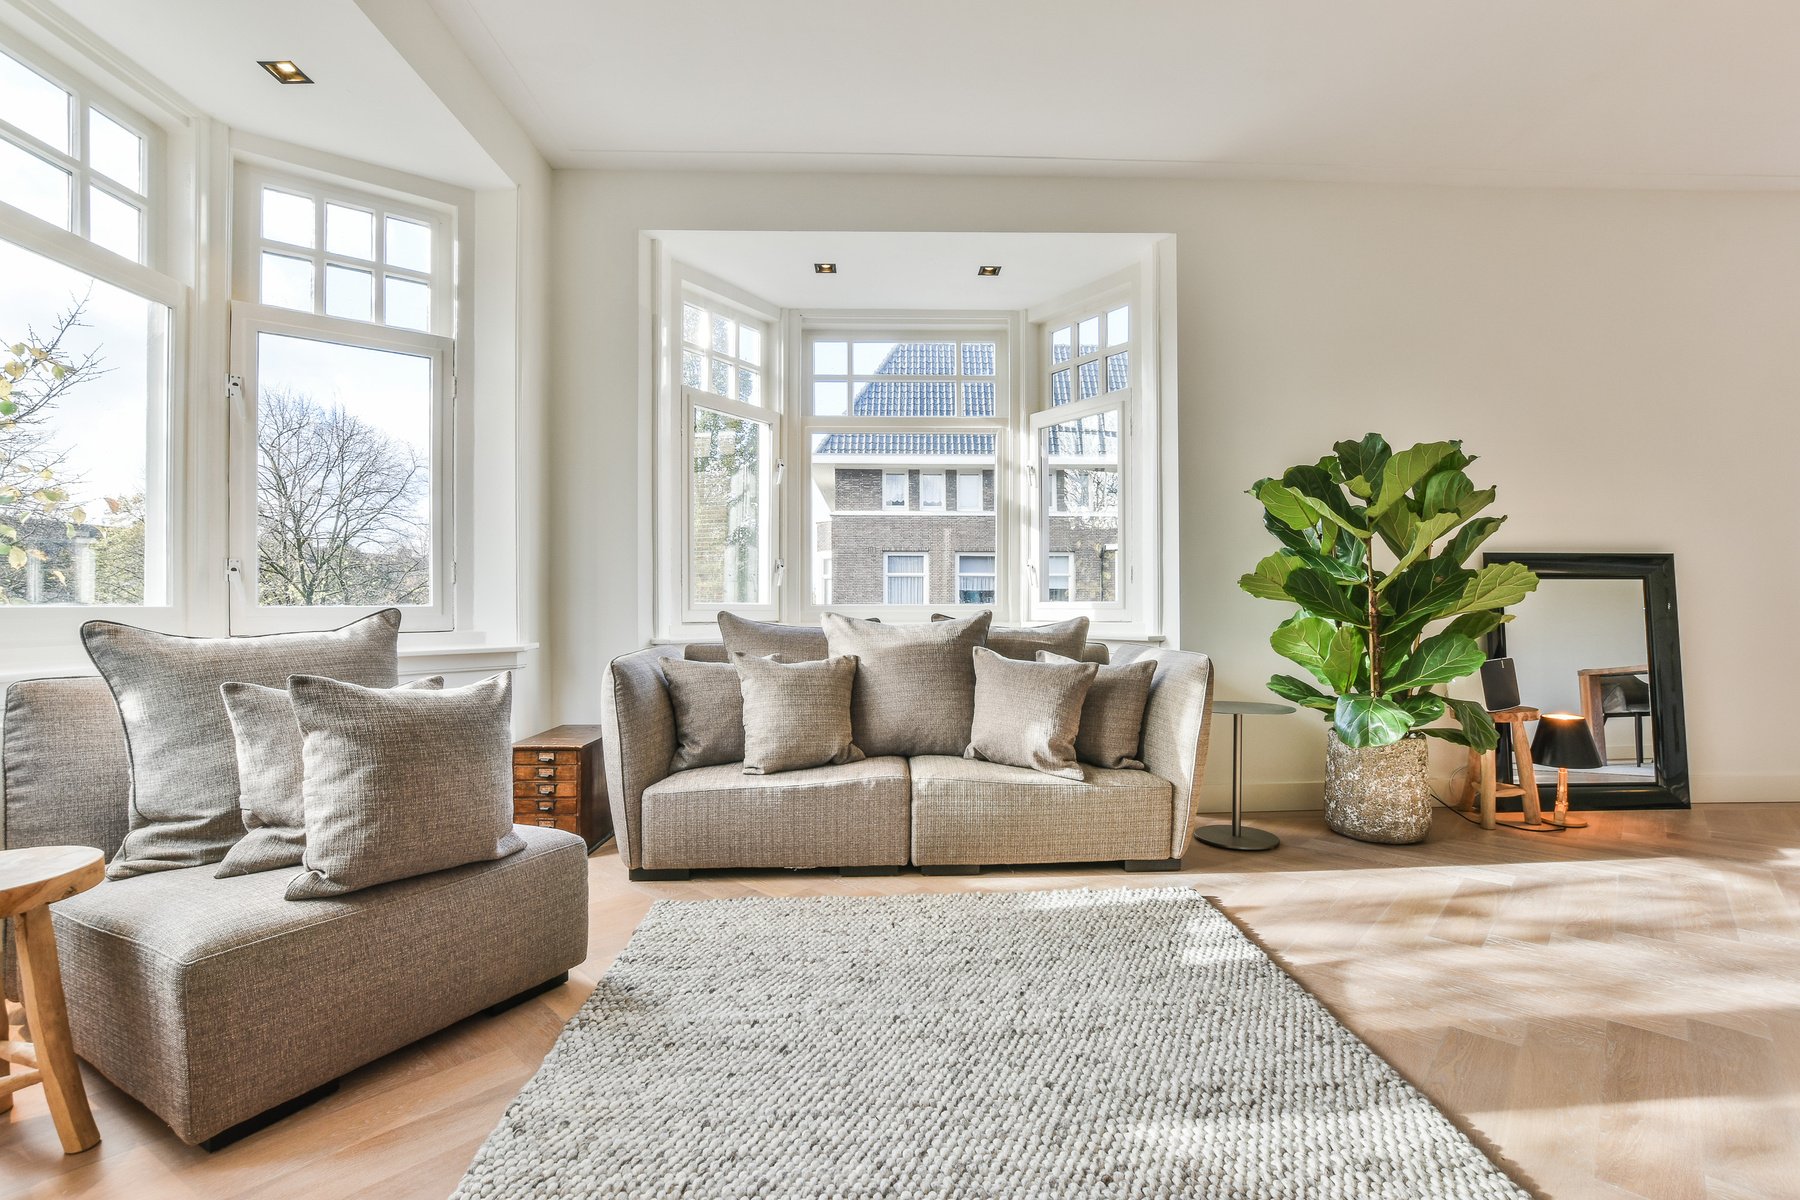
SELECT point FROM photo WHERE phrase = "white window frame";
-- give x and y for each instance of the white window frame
(963, 481)
(890, 501)
(47, 630)
(923, 575)
(992, 574)
(925, 502)
(250, 318)
(1067, 573)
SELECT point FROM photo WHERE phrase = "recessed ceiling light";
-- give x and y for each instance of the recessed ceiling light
(825, 268)
(284, 70)
(987, 272)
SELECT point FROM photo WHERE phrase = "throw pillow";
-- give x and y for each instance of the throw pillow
(1112, 719)
(184, 780)
(760, 639)
(401, 783)
(1067, 638)
(915, 683)
(709, 713)
(796, 715)
(1027, 713)
(271, 775)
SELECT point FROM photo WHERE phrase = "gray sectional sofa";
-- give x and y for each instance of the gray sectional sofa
(214, 1001)
(945, 815)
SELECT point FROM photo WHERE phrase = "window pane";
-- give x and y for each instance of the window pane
(905, 579)
(1059, 387)
(91, 536)
(287, 218)
(350, 232)
(978, 358)
(693, 324)
(693, 369)
(969, 491)
(831, 358)
(343, 477)
(720, 384)
(975, 578)
(724, 335)
(349, 293)
(115, 151)
(1062, 345)
(408, 303)
(1089, 336)
(1080, 466)
(978, 399)
(882, 398)
(287, 282)
(1118, 326)
(750, 344)
(864, 509)
(1118, 372)
(905, 358)
(831, 399)
(115, 225)
(34, 104)
(1090, 379)
(1058, 589)
(408, 245)
(726, 539)
(749, 386)
(32, 184)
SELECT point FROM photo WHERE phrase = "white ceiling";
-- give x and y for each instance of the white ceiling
(907, 270)
(366, 102)
(1625, 92)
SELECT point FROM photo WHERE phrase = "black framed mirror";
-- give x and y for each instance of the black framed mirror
(1601, 638)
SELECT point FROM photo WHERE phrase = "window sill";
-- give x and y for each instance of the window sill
(415, 661)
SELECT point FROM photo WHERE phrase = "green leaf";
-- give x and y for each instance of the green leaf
(1285, 504)
(1443, 491)
(1478, 624)
(1323, 596)
(1325, 512)
(1403, 470)
(1427, 531)
(1476, 726)
(1361, 462)
(1474, 502)
(1497, 585)
(1315, 483)
(1364, 721)
(1307, 641)
(1424, 707)
(1469, 537)
(1397, 527)
(17, 557)
(1301, 693)
(1439, 659)
(1271, 573)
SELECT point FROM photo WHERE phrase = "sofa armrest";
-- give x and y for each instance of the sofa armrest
(638, 722)
(1177, 726)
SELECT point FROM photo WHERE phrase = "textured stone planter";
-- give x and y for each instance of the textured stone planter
(1379, 794)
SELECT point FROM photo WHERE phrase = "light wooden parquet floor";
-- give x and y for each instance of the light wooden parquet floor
(1615, 1011)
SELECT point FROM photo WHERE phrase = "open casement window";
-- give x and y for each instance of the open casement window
(88, 319)
(730, 433)
(343, 363)
(905, 436)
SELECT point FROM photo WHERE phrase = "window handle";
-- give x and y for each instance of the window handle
(780, 470)
(780, 570)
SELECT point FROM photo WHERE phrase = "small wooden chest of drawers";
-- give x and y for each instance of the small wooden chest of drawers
(559, 782)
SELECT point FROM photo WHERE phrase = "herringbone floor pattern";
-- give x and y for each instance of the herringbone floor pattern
(1615, 1012)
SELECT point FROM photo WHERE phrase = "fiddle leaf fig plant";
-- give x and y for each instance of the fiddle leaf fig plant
(1380, 639)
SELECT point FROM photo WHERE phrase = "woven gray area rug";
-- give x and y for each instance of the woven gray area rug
(1129, 1044)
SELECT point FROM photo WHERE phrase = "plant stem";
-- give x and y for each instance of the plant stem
(1374, 622)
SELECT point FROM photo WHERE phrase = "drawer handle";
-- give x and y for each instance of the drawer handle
(546, 789)
(546, 772)
(548, 806)
(548, 756)
(547, 822)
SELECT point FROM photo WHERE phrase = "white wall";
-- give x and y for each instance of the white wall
(1575, 340)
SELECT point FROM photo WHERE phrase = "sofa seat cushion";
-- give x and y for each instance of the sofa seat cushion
(848, 815)
(969, 811)
(212, 1000)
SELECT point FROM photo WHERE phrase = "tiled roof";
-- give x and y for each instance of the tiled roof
(919, 445)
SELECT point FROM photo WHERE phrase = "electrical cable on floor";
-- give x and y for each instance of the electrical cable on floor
(1454, 775)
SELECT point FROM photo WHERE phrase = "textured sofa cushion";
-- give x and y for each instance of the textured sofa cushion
(212, 1000)
(1112, 718)
(761, 639)
(1067, 638)
(184, 784)
(915, 683)
(709, 713)
(796, 715)
(968, 811)
(271, 772)
(855, 815)
(402, 783)
(1027, 713)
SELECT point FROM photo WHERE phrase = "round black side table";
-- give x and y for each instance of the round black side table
(1235, 836)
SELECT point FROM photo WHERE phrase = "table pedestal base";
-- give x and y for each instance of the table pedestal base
(1244, 839)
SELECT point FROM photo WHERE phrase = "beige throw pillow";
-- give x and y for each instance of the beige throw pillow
(915, 683)
(1027, 713)
(1112, 719)
(760, 639)
(709, 713)
(796, 715)
(1067, 638)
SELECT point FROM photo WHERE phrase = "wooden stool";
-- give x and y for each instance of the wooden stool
(1482, 787)
(30, 881)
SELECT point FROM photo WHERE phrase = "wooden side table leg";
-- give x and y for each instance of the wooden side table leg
(49, 1019)
(1486, 789)
(1528, 788)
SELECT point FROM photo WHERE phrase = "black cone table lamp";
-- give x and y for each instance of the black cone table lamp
(1565, 741)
